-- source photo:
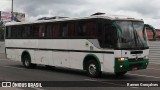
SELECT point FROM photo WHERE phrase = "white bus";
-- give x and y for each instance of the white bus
(95, 44)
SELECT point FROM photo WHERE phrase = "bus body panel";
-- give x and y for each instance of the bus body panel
(108, 62)
(43, 57)
(52, 52)
(21, 43)
(61, 59)
(49, 53)
(53, 44)
(11, 54)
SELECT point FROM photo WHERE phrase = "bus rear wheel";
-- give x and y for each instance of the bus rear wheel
(26, 60)
(92, 69)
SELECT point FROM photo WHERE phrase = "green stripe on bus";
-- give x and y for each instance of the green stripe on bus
(128, 65)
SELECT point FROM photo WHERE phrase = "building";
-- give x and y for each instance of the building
(7, 16)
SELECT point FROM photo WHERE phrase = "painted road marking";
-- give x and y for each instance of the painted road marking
(12, 67)
(109, 83)
(143, 75)
(104, 82)
(153, 69)
(154, 62)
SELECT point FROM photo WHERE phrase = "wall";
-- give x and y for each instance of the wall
(154, 53)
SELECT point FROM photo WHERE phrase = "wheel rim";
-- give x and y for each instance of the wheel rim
(92, 69)
(26, 62)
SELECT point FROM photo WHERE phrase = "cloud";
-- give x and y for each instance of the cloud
(5, 5)
(74, 7)
(78, 8)
(35, 8)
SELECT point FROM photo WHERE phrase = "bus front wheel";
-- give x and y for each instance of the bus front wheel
(92, 68)
(26, 60)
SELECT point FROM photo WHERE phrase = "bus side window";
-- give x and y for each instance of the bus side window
(64, 30)
(8, 32)
(19, 31)
(71, 30)
(81, 29)
(27, 31)
(100, 34)
(90, 29)
(35, 29)
(14, 32)
(24, 32)
(56, 31)
(49, 31)
(42, 31)
(110, 36)
(53, 28)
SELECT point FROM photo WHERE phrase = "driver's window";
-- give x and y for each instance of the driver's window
(110, 36)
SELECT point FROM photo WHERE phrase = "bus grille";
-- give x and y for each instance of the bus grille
(135, 60)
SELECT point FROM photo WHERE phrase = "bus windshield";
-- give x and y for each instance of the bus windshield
(131, 35)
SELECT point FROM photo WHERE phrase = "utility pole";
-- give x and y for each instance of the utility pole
(12, 11)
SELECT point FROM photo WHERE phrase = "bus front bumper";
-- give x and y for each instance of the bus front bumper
(130, 65)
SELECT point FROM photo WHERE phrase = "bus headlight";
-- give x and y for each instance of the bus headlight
(146, 57)
(121, 66)
(122, 59)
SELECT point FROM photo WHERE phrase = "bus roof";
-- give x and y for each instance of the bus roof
(110, 17)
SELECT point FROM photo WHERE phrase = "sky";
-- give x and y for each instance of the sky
(148, 10)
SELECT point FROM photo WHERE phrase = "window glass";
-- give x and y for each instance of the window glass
(35, 29)
(71, 30)
(81, 29)
(19, 31)
(56, 31)
(110, 36)
(49, 30)
(14, 32)
(86, 29)
(27, 33)
(8, 32)
(100, 34)
(64, 30)
(90, 29)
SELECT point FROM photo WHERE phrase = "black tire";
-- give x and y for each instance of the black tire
(93, 69)
(26, 60)
(49, 67)
(120, 73)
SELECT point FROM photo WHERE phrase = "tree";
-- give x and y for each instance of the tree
(1, 32)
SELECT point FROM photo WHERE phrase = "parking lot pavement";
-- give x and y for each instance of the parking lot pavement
(2, 51)
(2, 47)
(2, 56)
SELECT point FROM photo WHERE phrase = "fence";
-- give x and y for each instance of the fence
(154, 53)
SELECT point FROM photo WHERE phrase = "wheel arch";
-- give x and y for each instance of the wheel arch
(88, 57)
(25, 52)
